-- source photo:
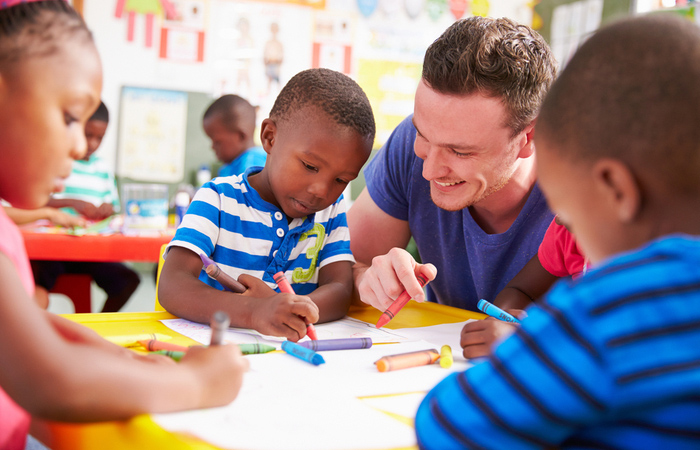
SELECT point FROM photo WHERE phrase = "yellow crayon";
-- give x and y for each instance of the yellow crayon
(445, 357)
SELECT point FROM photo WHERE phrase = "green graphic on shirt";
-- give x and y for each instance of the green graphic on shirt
(300, 275)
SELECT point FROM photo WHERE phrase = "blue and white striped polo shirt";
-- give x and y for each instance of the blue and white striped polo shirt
(229, 222)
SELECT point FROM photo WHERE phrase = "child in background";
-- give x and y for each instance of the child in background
(286, 217)
(52, 368)
(557, 257)
(230, 124)
(610, 359)
(90, 191)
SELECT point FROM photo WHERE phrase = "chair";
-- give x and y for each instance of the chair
(161, 260)
(75, 286)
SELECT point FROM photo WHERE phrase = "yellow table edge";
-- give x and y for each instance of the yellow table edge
(143, 432)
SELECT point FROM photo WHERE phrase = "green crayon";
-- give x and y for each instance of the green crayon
(174, 354)
(253, 349)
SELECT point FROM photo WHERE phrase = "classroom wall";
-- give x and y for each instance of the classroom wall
(385, 46)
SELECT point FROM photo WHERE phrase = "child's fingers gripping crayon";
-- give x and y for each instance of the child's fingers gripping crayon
(219, 324)
(214, 271)
(446, 357)
(398, 304)
(284, 286)
(405, 360)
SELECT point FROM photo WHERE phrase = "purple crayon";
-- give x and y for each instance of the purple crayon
(337, 344)
(228, 282)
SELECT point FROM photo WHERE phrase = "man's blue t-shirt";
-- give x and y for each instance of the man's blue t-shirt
(254, 156)
(471, 264)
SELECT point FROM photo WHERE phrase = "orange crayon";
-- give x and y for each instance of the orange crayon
(153, 345)
(399, 303)
(405, 360)
(284, 286)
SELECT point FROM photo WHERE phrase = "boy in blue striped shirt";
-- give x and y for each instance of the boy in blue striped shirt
(288, 217)
(611, 359)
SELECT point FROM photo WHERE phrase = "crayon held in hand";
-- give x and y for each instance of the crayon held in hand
(399, 303)
(284, 286)
(337, 344)
(494, 311)
(304, 353)
(446, 357)
(219, 325)
(227, 281)
(153, 345)
(405, 360)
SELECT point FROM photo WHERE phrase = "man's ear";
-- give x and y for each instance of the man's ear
(525, 141)
(619, 188)
(268, 133)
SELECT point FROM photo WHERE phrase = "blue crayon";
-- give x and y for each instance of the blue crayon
(337, 344)
(494, 311)
(304, 353)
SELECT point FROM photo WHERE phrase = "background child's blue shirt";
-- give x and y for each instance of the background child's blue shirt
(229, 222)
(254, 156)
(471, 264)
(610, 360)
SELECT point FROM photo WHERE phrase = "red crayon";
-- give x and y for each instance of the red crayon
(153, 345)
(399, 303)
(284, 285)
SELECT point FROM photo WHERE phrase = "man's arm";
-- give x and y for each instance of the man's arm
(384, 269)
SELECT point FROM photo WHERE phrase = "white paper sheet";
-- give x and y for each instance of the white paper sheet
(343, 328)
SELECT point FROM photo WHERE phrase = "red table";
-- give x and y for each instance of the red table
(99, 248)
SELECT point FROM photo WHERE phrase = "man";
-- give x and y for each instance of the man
(458, 175)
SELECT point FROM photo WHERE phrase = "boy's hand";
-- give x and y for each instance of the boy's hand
(479, 337)
(219, 370)
(61, 219)
(255, 287)
(105, 210)
(284, 315)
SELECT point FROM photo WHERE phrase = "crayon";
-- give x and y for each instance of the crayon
(219, 325)
(446, 357)
(132, 340)
(304, 353)
(494, 311)
(284, 286)
(254, 349)
(227, 281)
(337, 344)
(405, 360)
(177, 356)
(399, 303)
(154, 345)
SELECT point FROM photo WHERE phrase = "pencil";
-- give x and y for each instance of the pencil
(284, 286)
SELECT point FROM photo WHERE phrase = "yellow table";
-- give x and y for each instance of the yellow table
(141, 432)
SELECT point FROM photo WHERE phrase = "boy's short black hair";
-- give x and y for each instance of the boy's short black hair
(336, 94)
(235, 111)
(632, 92)
(102, 113)
(36, 28)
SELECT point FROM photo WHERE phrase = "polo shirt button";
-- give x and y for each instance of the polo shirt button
(280, 232)
(278, 215)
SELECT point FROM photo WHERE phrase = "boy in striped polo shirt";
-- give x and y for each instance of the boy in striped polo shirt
(287, 217)
(609, 359)
(90, 191)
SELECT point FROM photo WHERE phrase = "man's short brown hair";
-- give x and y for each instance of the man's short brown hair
(493, 57)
